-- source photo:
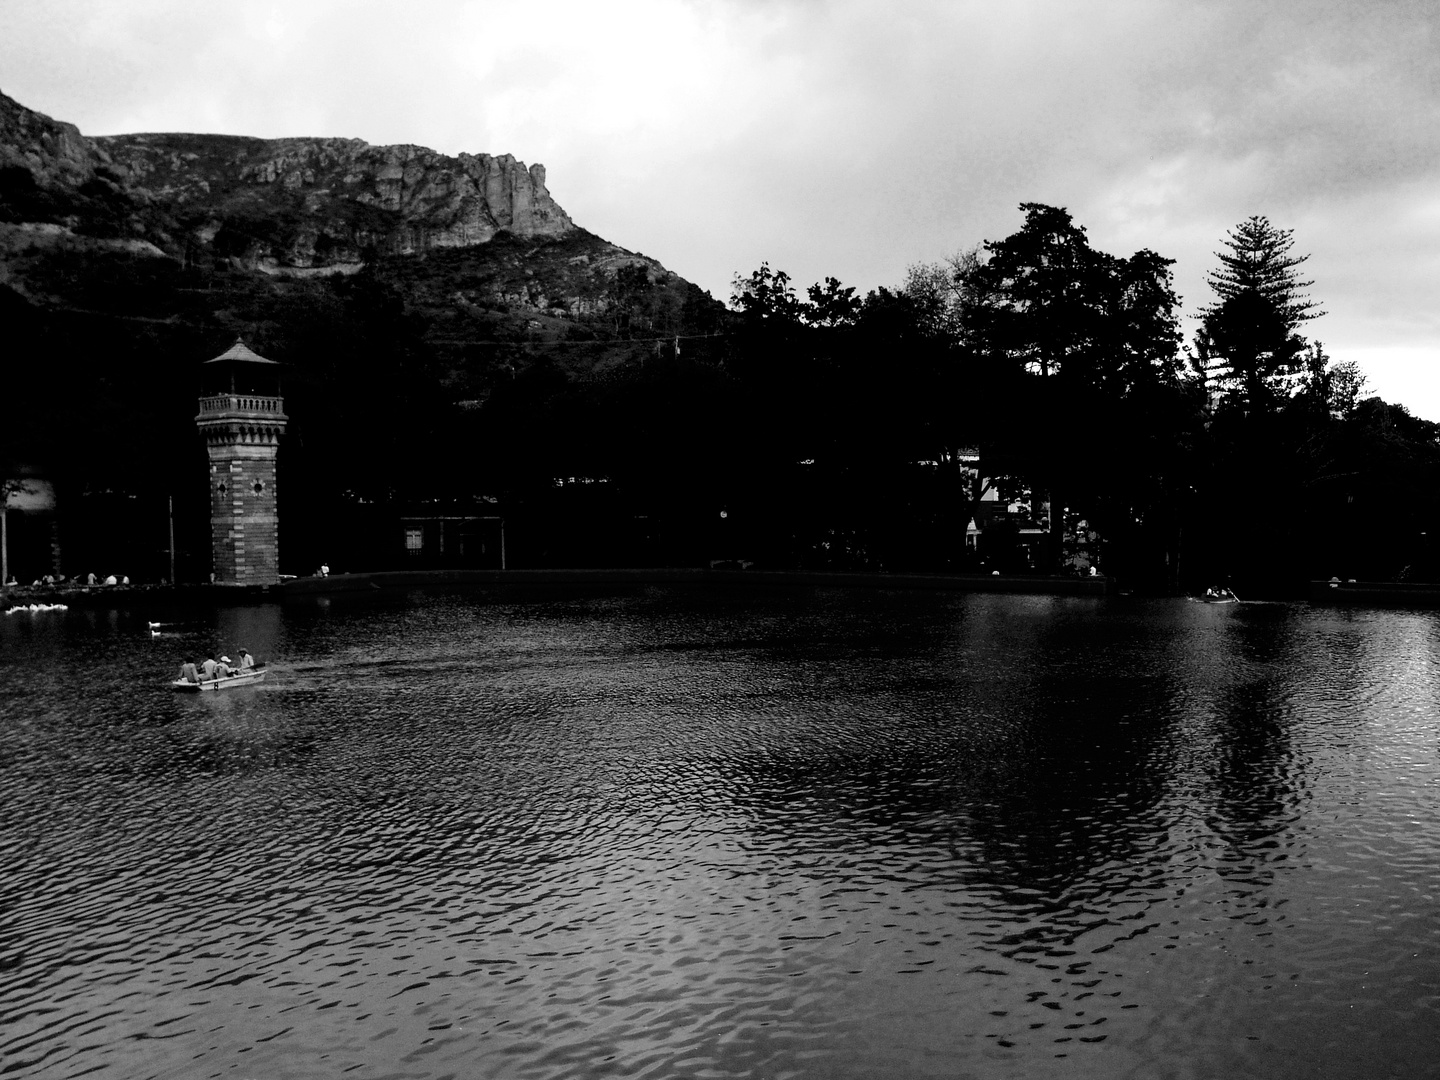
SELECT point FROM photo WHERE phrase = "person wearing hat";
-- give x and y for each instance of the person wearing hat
(222, 669)
(247, 662)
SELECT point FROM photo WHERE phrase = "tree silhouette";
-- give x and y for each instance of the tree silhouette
(1076, 348)
(1258, 260)
(1248, 340)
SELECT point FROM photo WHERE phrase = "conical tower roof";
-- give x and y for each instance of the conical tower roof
(242, 352)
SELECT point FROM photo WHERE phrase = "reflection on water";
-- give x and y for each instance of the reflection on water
(670, 833)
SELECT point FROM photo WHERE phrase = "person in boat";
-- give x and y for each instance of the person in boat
(189, 673)
(208, 669)
(247, 662)
(222, 669)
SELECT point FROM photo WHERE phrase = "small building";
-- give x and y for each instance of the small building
(453, 541)
(1009, 524)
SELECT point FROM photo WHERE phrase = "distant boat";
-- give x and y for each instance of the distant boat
(230, 682)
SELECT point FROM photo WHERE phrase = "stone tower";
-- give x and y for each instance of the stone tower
(241, 420)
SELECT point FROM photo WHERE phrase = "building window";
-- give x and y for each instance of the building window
(414, 541)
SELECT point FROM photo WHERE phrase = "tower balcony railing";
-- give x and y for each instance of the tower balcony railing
(253, 406)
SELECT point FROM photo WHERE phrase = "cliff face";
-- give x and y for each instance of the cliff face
(331, 201)
(54, 153)
(275, 204)
(53, 181)
(173, 244)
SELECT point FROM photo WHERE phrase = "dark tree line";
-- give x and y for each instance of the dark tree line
(816, 428)
(1247, 458)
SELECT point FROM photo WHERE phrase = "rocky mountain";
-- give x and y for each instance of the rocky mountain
(302, 204)
(280, 206)
(475, 244)
(329, 203)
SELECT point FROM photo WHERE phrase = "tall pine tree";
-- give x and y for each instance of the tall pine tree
(1248, 340)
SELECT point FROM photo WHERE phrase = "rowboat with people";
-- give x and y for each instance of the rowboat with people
(248, 677)
(1222, 595)
(213, 675)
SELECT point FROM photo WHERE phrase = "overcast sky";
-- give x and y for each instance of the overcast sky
(846, 138)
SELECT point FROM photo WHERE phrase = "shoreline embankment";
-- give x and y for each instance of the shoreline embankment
(412, 579)
(1365, 593)
(1376, 593)
(409, 580)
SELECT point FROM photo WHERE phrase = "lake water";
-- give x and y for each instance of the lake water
(678, 833)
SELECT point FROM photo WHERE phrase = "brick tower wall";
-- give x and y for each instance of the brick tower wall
(244, 524)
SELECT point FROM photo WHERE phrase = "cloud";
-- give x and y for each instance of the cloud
(849, 137)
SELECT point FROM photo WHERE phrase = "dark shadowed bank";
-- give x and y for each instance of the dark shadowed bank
(161, 598)
(164, 598)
